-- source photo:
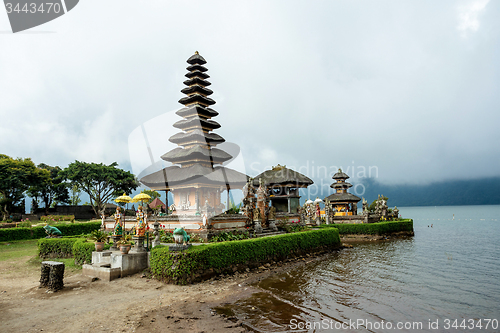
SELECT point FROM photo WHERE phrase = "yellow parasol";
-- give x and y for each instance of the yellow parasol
(141, 197)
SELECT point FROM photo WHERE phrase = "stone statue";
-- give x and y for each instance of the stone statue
(117, 229)
(256, 215)
(140, 226)
(52, 231)
(396, 212)
(327, 211)
(272, 213)
(262, 201)
(181, 237)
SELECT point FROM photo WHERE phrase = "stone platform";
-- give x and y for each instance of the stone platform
(110, 265)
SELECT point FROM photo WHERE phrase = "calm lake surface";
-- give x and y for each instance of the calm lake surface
(445, 272)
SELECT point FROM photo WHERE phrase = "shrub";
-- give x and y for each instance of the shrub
(82, 251)
(38, 232)
(57, 218)
(56, 247)
(285, 225)
(23, 224)
(166, 236)
(225, 236)
(380, 228)
(182, 268)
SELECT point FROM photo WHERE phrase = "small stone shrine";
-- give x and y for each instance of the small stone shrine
(283, 188)
(341, 203)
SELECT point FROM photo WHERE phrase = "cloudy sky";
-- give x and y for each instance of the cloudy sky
(408, 90)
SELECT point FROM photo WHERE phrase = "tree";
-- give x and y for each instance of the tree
(101, 182)
(16, 177)
(152, 193)
(51, 190)
(75, 195)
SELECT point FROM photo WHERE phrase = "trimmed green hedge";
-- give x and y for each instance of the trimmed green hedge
(38, 232)
(380, 228)
(82, 251)
(181, 268)
(61, 247)
(79, 248)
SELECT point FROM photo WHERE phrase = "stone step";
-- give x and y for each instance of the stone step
(270, 233)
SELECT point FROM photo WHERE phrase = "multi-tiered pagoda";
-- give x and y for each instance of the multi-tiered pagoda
(199, 178)
(343, 203)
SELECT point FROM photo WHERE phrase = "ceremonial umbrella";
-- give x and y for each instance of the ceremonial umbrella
(141, 197)
(124, 198)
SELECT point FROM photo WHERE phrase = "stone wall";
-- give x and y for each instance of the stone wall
(190, 223)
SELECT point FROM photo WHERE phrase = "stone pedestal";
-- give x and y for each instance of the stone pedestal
(179, 247)
(115, 238)
(272, 225)
(139, 244)
(110, 265)
(257, 227)
(318, 220)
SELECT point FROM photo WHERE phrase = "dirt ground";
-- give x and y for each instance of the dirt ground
(132, 304)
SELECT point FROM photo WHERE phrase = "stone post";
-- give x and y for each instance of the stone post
(139, 244)
(52, 275)
(115, 238)
(156, 232)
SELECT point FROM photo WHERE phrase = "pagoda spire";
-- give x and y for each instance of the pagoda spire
(196, 139)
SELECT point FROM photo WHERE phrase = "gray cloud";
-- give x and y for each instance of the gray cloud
(408, 87)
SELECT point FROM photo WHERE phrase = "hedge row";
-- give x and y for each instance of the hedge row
(57, 218)
(380, 228)
(182, 267)
(79, 248)
(39, 232)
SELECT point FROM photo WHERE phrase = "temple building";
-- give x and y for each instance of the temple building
(283, 187)
(197, 177)
(342, 203)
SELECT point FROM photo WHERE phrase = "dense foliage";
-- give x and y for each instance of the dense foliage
(38, 232)
(101, 182)
(16, 177)
(380, 228)
(182, 267)
(57, 218)
(52, 189)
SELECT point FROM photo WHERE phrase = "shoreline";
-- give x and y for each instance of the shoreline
(136, 303)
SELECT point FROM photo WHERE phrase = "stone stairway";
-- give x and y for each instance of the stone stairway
(266, 233)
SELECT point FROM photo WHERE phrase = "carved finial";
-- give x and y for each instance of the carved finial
(196, 52)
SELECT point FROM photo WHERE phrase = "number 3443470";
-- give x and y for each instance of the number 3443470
(44, 7)
(471, 324)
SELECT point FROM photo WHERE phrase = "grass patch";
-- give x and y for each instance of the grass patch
(17, 249)
(69, 263)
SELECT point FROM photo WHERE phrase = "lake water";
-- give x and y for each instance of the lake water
(447, 272)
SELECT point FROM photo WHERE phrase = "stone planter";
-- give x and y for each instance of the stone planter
(179, 239)
(99, 246)
(125, 248)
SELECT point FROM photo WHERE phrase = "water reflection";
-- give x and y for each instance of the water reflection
(442, 272)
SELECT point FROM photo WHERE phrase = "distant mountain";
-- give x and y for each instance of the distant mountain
(485, 191)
